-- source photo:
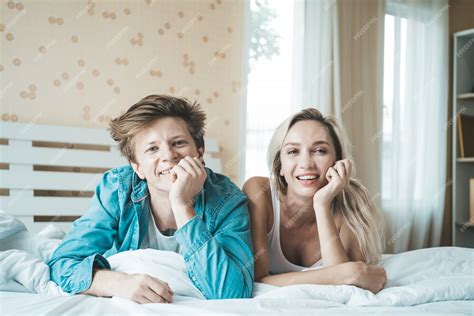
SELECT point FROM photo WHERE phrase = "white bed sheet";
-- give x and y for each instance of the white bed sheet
(37, 304)
(426, 281)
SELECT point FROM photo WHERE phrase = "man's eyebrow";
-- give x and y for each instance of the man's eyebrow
(171, 138)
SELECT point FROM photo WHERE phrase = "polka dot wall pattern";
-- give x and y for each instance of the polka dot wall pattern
(83, 64)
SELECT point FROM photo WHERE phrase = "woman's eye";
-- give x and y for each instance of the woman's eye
(320, 151)
(292, 152)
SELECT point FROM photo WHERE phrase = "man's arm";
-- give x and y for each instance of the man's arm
(72, 263)
(220, 263)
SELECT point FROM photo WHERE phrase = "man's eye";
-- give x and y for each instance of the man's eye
(180, 143)
(152, 149)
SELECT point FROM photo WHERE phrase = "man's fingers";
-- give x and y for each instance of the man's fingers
(162, 289)
(197, 166)
(169, 288)
(188, 166)
(179, 171)
(198, 162)
(141, 299)
(154, 297)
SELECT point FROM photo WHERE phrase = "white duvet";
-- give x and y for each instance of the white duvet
(415, 277)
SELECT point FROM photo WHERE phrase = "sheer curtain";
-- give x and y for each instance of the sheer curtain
(337, 68)
(415, 134)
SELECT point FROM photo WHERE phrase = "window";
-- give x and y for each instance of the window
(393, 91)
(269, 80)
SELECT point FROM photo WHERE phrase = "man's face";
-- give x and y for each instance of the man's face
(159, 148)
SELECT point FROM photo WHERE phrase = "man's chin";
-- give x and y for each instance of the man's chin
(163, 184)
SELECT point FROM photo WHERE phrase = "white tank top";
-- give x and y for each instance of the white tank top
(278, 262)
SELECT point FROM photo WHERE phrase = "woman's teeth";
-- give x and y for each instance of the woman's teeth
(307, 177)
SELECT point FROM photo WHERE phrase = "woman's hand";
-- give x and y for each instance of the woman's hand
(338, 178)
(369, 277)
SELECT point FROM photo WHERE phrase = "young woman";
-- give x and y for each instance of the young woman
(165, 199)
(311, 222)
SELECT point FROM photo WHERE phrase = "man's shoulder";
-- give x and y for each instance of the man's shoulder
(221, 185)
(117, 179)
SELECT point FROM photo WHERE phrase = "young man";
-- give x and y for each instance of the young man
(165, 199)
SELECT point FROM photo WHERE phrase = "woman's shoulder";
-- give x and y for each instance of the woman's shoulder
(258, 191)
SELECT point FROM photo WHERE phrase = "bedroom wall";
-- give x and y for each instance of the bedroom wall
(81, 63)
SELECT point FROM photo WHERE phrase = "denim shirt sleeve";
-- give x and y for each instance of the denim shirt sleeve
(220, 263)
(91, 236)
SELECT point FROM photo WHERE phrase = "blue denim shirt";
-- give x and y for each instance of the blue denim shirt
(216, 243)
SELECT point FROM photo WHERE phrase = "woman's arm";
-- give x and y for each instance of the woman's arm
(350, 273)
(331, 246)
(371, 278)
(258, 192)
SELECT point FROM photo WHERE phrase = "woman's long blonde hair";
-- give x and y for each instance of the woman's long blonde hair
(354, 203)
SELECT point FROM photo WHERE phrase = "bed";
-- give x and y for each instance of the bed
(429, 281)
(46, 177)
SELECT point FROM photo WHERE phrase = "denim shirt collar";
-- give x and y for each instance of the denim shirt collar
(139, 188)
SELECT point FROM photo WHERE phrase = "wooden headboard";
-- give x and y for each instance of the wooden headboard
(49, 173)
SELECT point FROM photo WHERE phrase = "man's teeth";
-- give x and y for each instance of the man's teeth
(168, 171)
(307, 177)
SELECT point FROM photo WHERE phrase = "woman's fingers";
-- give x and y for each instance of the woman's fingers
(348, 166)
(340, 168)
(331, 174)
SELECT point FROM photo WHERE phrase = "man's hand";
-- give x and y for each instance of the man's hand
(190, 177)
(140, 288)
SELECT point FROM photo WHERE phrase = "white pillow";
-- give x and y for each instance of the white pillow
(167, 266)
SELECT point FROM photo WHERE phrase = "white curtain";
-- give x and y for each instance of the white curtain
(414, 167)
(337, 68)
(314, 50)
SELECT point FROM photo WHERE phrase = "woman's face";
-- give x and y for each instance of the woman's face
(307, 153)
(159, 148)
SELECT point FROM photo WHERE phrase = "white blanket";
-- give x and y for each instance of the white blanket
(415, 277)
(23, 257)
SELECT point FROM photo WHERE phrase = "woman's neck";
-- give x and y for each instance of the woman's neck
(298, 210)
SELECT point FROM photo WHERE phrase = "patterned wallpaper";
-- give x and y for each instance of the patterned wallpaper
(81, 63)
